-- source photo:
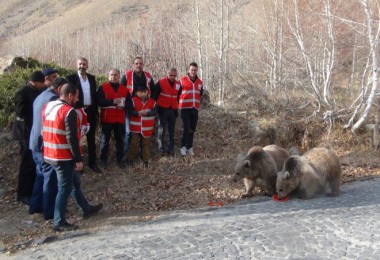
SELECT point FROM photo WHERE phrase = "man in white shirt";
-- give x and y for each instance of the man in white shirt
(86, 84)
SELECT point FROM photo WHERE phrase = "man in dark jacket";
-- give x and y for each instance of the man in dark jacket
(87, 99)
(24, 112)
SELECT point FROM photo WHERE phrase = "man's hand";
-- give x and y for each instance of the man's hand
(79, 166)
(144, 112)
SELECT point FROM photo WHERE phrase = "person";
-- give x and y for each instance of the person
(131, 79)
(167, 105)
(112, 98)
(189, 99)
(142, 113)
(45, 185)
(86, 84)
(24, 113)
(61, 133)
(50, 75)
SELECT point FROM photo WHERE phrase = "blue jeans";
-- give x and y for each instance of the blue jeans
(50, 190)
(35, 205)
(68, 183)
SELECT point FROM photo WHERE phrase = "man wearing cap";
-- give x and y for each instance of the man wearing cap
(45, 185)
(86, 84)
(50, 76)
(24, 99)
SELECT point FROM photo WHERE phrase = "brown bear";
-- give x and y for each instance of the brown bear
(306, 175)
(259, 167)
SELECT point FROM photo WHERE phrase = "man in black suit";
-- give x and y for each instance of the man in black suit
(87, 99)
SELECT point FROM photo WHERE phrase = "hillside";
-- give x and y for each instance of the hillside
(20, 19)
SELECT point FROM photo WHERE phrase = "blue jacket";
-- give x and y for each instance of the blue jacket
(35, 141)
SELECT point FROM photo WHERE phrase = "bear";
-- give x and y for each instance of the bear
(259, 167)
(304, 176)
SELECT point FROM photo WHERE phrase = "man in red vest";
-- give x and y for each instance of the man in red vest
(132, 79)
(167, 105)
(61, 133)
(189, 101)
(112, 98)
(142, 113)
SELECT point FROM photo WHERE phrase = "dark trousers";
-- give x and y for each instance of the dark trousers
(27, 171)
(68, 183)
(50, 190)
(118, 133)
(134, 147)
(45, 188)
(189, 118)
(91, 146)
(167, 117)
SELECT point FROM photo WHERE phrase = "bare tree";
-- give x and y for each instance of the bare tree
(373, 39)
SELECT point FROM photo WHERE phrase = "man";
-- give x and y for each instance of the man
(189, 100)
(45, 185)
(167, 103)
(112, 98)
(132, 79)
(50, 75)
(24, 112)
(87, 99)
(61, 148)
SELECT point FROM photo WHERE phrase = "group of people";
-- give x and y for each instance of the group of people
(56, 112)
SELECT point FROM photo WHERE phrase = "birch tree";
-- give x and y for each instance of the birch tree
(373, 31)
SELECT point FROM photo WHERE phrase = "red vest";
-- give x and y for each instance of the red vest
(168, 94)
(56, 147)
(143, 125)
(82, 116)
(113, 114)
(129, 77)
(191, 93)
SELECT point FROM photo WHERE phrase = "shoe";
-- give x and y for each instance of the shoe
(95, 168)
(121, 164)
(128, 163)
(65, 227)
(103, 164)
(170, 153)
(190, 151)
(145, 164)
(24, 200)
(92, 210)
(38, 211)
(183, 151)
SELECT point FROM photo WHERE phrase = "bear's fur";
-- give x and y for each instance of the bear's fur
(259, 167)
(307, 175)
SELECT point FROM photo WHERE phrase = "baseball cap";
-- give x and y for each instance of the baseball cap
(49, 71)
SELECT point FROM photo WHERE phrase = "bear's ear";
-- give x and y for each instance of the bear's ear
(240, 157)
(247, 164)
(286, 175)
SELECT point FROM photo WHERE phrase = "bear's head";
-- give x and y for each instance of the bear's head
(242, 168)
(288, 179)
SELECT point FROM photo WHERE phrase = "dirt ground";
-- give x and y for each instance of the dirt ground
(169, 184)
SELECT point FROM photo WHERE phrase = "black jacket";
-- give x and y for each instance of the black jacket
(74, 79)
(24, 106)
